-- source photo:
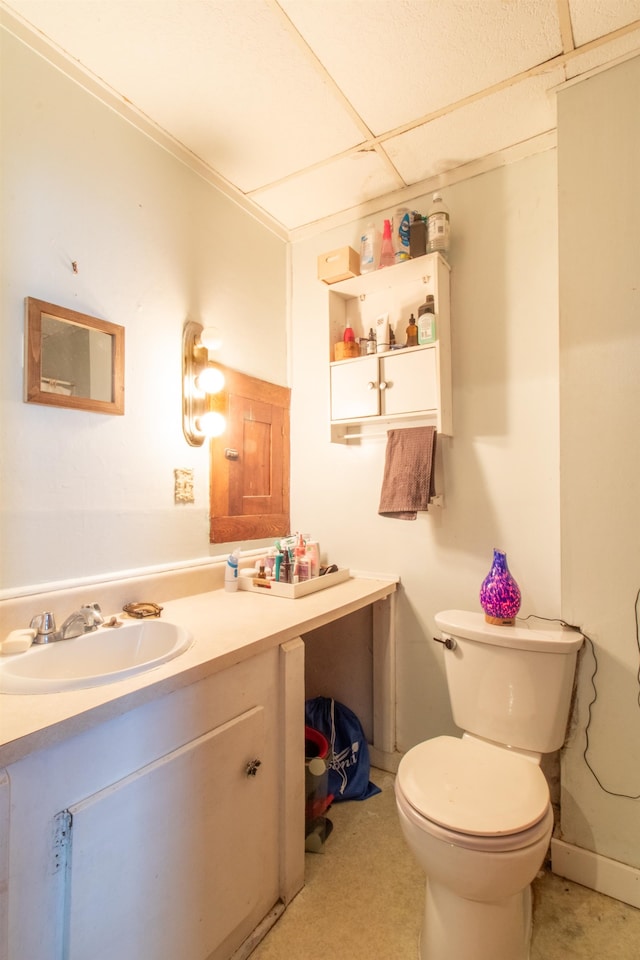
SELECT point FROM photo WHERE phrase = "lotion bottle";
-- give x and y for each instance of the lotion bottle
(231, 571)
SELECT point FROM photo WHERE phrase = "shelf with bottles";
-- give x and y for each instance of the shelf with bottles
(405, 383)
(397, 291)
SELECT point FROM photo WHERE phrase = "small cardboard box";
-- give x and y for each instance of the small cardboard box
(338, 265)
(346, 351)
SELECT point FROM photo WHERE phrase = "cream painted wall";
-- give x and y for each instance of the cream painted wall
(599, 221)
(85, 493)
(500, 470)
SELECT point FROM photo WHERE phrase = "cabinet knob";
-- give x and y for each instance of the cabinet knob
(383, 384)
(252, 767)
(371, 385)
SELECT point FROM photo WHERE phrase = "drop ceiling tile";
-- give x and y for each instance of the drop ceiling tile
(227, 79)
(595, 18)
(400, 61)
(340, 185)
(493, 123)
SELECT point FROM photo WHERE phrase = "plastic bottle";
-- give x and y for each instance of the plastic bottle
(270, 563)
(427, 321)
(285, 568)
(417, 236)
(231, 571)
(348, 335)
(401, 235)
(387, 258)
(313, 553)
(438, 226)
(368, 249)
(300, 565)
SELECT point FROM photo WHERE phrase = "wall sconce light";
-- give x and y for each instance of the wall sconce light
(200, 378)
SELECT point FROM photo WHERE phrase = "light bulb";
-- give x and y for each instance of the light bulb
(210, 338)
(211, 380)
(211, 424)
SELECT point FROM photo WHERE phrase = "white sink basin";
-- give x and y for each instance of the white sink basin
(104, 656)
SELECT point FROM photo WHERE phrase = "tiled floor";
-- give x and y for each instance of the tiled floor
(363, 900)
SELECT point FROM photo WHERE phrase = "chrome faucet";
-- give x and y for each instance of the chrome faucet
(84, 620)
(45, 626)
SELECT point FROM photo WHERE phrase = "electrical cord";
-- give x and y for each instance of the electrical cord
(572, 626)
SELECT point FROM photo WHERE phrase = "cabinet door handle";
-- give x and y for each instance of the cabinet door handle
(371, 385)
(252, 767)
(383, 384)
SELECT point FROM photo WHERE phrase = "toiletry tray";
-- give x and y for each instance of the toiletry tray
(292, 590)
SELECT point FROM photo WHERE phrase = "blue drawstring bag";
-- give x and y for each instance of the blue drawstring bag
(349, 752)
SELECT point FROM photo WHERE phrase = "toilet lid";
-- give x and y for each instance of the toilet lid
(473, 787)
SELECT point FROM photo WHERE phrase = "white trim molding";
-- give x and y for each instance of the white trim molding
(611, 877)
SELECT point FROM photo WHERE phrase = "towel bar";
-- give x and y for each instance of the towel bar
(435, 501)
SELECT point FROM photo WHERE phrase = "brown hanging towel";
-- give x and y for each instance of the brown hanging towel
(408, 481)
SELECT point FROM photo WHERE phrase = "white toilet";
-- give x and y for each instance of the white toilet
(475, 810)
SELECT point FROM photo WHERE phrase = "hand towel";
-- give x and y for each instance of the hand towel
(408, 481)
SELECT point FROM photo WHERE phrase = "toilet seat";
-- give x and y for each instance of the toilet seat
(476, 791)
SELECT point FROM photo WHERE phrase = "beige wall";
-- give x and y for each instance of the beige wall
(86, 493)
(599, 228)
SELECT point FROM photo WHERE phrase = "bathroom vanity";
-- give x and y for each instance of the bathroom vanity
(163, 815)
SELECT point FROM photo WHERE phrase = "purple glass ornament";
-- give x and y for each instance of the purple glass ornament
(499, 593)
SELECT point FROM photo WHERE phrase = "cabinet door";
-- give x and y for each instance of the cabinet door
(410, 381)
(172, 860)
(354, 389)
(249, 496)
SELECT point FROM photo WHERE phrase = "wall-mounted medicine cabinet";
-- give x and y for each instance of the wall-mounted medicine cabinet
(405, 384)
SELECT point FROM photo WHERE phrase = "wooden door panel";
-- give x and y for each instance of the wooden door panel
(250, 463)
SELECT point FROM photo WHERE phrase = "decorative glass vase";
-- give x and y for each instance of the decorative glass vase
(499, 593)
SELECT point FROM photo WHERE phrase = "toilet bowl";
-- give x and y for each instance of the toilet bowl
(478, 819)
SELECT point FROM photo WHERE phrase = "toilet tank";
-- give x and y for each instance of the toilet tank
(511, 685)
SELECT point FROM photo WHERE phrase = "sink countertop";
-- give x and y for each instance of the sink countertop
(227, 628)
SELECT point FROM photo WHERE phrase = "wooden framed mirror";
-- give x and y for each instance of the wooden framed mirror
(72, 360)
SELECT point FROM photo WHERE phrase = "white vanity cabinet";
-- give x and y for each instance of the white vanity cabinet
(405, 384)
(161, 833)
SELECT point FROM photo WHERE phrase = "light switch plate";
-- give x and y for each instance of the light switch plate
(183, 489)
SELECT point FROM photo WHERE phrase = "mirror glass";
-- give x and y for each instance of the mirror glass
(73, 360)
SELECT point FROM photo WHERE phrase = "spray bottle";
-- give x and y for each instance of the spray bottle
(401, 235)
(387, 258)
